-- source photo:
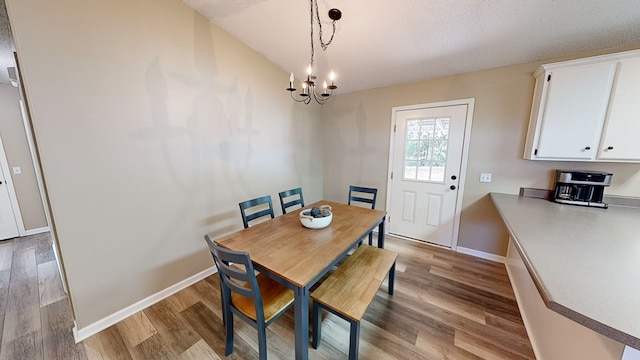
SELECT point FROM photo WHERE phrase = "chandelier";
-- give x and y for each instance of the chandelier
(309, 85)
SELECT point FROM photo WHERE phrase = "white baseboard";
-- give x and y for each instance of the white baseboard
(35, 231)
(96, 327)
(481, 254)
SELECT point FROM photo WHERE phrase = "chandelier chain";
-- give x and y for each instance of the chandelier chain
(333, 23)
(322, 43)
(312, 48)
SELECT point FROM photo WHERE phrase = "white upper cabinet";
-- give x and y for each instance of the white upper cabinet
(587, 110)
(576, 105)
(621, 134)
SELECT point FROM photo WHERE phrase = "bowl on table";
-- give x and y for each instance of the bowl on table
(317, 217)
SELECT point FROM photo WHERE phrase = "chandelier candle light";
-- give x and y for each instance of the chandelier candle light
(309, 85)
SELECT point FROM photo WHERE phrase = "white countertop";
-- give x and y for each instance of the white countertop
(584, 261)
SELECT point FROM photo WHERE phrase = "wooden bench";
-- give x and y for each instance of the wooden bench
(349, 291)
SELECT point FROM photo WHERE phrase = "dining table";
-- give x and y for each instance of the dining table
(297, 257)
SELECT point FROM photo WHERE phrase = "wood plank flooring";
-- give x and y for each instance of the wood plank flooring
(35, 316)
(446, 306)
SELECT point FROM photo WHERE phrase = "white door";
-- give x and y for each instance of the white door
(427, 157)
(8, 225)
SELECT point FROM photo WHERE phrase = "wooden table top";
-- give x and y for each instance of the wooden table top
(289, 250)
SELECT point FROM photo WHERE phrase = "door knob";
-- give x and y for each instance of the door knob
(610, 148)
(453, 177)
(452, 187)
(588, 148)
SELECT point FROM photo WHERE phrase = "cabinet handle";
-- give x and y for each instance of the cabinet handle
(588, 148)
(610, 148)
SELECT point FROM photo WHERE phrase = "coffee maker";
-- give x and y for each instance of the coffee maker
(584, 188)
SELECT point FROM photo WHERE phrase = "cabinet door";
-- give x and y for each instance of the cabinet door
(574, 111)
(620, 140)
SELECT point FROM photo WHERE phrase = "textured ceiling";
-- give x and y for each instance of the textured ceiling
(380, 43)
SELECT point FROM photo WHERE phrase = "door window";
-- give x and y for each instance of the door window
(425, 147)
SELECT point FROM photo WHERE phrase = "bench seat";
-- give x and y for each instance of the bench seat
(349, 291)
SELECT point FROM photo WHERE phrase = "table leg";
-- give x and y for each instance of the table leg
(301, 320)
(392, 277)
(381, 233)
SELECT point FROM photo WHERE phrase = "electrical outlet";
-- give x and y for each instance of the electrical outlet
(17, 170)
(485, 178)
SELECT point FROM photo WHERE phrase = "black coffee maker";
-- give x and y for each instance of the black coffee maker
(584, 188)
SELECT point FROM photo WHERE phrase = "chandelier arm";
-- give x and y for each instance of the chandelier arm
(322, 98)
(304, 99)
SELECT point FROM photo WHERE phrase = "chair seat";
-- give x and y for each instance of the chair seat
(275, 297)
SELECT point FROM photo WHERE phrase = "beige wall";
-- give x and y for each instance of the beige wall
(18, 154)
(152, 125)
(357, 136)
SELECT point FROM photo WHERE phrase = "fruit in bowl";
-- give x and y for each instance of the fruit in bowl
(316, 217)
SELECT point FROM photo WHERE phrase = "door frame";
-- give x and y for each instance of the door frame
(469, 102)
(17, 215)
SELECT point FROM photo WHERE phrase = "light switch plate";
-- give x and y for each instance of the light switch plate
(485, 178)
(17, 170)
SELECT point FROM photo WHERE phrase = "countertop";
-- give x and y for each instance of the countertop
(584, 261)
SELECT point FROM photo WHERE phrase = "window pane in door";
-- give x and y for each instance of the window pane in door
(410, 170)
(425, 147)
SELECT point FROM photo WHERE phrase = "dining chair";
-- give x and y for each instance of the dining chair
(257, 202)
(363, 195)
(299, 200)
(256, 299)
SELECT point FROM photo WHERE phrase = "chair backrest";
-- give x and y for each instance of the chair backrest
(356, 193)
(239, 278)
(297, 201)
(246, 205)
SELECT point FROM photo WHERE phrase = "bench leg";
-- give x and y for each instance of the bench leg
(354, 340)
(371, 238)
(392, 277)
(317, 324)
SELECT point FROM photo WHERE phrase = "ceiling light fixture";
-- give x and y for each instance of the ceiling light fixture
(309, 85)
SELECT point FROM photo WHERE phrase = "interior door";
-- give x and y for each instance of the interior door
(8, 225)
(427, 158)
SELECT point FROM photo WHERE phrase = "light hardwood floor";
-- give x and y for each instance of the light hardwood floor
(446, 306)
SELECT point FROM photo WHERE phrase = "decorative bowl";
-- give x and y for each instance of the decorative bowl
(311, 222)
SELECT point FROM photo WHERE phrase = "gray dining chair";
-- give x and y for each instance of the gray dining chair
(256, 299)
(366, 195)
(286, 203)
(248, 213)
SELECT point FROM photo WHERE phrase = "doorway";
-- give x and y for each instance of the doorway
(428, 155)
(9, 209)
